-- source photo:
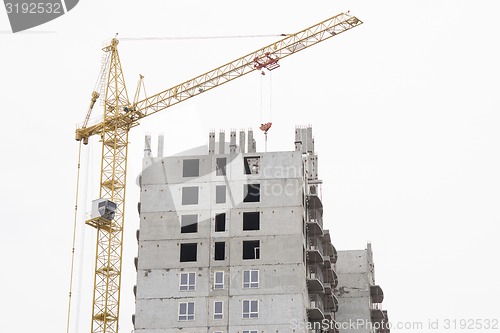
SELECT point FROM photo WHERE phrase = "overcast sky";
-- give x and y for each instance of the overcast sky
(405, 114)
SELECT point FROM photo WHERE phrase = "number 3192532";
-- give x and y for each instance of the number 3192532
(34, 8)
(471, 324)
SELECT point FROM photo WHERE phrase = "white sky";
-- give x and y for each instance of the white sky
(405, 113)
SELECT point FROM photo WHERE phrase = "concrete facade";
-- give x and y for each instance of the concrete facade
(359, 297)
(232, 240)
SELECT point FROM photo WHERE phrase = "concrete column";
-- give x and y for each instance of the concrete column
(232, 140)
(252, 147)
(298, 139)
(161, 143)
(242, 141)
(222, 141)
(211, 143)
(147, 145)
(309, 134)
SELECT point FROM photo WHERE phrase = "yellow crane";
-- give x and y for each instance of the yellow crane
(120, 116)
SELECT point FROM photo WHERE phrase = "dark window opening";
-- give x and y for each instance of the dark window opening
(220, 222)
(188, 252)
(251, 193)
(251, 249)
(220, 166)
(189, 223)
(220, 194)
(251, 165)
(251, 221)
(191, 168)
(220, 251)
(190, 195)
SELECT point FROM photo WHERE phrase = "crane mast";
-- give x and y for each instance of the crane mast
(109, 245)
(120, 116)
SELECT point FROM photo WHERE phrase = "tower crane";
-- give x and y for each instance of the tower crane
(120, 115)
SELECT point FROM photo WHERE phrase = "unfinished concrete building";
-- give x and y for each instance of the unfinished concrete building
(232, 240)
(360, 308)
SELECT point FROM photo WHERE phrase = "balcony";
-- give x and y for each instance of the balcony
(314, 218)
(335, 255)
(331, 277)
(315, 281)
(314, 205)
(380, 316)
(328, 260)
(331, 303)
(377, 294)
(385, 327)
(314, 199)
(332, 323)
(330, 251)
(314, 250)
(328, 288)
(376, 315)
(315, 308)
(314, 224)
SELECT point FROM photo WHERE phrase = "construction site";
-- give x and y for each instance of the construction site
(231, 238)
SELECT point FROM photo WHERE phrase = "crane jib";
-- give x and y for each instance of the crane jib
(267, 57)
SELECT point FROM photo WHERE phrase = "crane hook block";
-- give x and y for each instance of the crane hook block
(265, 127)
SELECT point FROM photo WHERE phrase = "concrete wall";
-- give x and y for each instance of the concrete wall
(282, 291)
(355, 270)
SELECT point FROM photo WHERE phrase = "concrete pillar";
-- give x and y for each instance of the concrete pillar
(222, 141)
(252, 147)
(310, 144)
(161, 143)
(147, 145)
(312, 165)
(211, 142)
(303, 135)
(298, 139)
(242, 141)
(232, 140)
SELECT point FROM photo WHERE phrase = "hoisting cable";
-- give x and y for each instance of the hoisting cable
(270, 102)
(270, 96)
(261, 98)
(102, 72)
(198, 37)
(74, 236)
(264, 127)
(265, 133)
(88, 174)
